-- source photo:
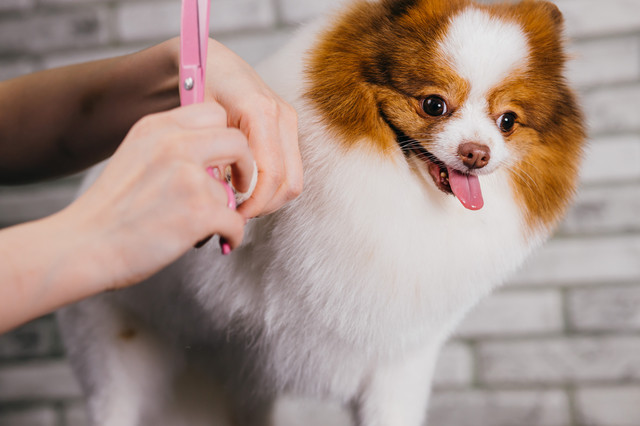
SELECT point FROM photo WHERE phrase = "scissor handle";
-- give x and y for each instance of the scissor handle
(194, 37)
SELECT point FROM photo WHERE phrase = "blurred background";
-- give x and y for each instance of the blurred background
(558, 346)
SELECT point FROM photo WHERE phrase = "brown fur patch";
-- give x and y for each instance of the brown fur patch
(552, 132)
(369, 72)
(128, 334)
(380, 56)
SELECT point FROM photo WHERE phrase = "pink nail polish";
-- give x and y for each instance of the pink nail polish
(231, 203)
(225, 247)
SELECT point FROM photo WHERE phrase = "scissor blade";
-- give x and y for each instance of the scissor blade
(204, 7)
(190, 37)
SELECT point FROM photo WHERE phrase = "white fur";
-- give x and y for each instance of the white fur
(347, 293)
(483, 51)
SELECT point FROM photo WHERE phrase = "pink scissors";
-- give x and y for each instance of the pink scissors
(194, 40)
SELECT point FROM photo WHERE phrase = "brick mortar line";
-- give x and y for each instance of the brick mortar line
(59, 407)
(601, 36)
(50, 11)
(588, 89)
(11, 361)
(565, 311)
(558, 385)
(112, 26)
(278, 11)
(635, 84)
(576, 41)
(571, 287)
(570, 391)
(593, 235)
(558, 236)
(614, 133)
(603, 184)
(535, 387)
(539, 337)
(14, 406)
(6, 364)
(257, 31)
(514, 287)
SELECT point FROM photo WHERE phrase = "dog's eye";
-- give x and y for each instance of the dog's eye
(435, 106)
(506, 122)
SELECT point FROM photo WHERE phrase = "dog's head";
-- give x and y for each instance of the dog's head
(467, 88)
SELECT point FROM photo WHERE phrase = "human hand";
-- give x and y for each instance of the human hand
(269, 123)
(155, 200)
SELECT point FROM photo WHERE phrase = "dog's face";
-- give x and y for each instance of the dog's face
(468, 89)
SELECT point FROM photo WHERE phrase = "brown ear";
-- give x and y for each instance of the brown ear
(551, 11)
(398, 7)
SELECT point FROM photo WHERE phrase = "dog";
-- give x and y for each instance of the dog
(441, 146)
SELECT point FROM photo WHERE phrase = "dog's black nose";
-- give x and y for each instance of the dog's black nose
(474, 155)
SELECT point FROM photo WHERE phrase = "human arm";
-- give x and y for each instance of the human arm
(63, 120)
(153, 201)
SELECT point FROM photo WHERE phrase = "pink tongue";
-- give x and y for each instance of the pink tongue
(466, 188)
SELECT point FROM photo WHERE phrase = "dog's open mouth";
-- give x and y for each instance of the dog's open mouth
(465, 187)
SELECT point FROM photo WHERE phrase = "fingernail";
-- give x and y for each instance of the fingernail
(225, 247)
(231, 197)
(214, 172)
(231, 203)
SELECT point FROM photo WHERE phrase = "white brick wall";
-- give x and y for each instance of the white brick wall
(560, 360)
(16, 5)
(612, 158)
(580, 261)
(37, 380)
(596, 18)
(558, 347)
(605, 210)
(592, 65)
(609, 406)
(455, 367)
(610, 308)
(513, 313)
(69, 29)
(613, 109)
(500, 408)
(41, 416)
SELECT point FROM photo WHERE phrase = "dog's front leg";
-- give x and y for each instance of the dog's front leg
(397, 394)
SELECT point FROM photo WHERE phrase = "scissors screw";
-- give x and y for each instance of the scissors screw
(188, 83)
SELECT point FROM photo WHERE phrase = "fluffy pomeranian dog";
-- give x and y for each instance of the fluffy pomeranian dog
(441, 145)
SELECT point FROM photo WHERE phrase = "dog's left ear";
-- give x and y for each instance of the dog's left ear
(553, 11)
(549, 11)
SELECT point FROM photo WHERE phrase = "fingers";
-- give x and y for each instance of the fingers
(270, 125)
(273, 138)
(292, 182)
(219, 148)
(198, 116)
(199, 133)
(198, 138)
(228, 224)
(213, 215)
